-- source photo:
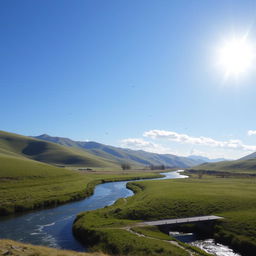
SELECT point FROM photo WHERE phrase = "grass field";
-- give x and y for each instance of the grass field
(27, 184)
(8, 247)
(28, 181)
(232, 198)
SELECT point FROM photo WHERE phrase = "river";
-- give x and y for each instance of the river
(206, 244)
(53, 227)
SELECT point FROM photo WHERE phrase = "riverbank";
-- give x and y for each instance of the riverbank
(115, 236)
(20, 194)
(233, 199)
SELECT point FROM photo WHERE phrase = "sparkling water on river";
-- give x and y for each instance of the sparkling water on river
(206, 244)
(217, 249)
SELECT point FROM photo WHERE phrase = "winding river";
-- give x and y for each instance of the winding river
(53, 227)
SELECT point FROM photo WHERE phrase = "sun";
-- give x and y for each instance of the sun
(236, 56)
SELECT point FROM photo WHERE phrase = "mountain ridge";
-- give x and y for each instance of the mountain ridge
(24, 147)
(208, 160)
(119, 155)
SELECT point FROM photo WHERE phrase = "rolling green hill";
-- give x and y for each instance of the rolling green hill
(12, 167)
(27, 184)
(29, 177)
(237, 166)
(120, 155)
(244, 165)
(47, 152)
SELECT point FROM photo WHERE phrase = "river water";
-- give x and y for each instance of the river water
(206, 244)
(53, 227)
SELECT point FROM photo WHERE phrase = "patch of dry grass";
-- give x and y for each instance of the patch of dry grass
(8, 247)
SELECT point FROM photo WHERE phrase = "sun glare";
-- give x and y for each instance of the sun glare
(236, 56)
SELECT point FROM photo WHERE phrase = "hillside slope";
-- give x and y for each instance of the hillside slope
(12, 167)
(28, 184)
(245, 164)
(47, 152)
(250, 156)
(237, 166)
(206, 159)
(120, 155)
(30, 179)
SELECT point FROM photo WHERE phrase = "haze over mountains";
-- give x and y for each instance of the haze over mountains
(64, 151)
(120, 155)
(206, 159)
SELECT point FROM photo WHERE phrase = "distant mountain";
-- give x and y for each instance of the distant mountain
(120, 155)
(251, 156)
(206, 159)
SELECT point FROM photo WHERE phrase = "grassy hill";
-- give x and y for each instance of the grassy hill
(27, 184)
(120, 155)
(244, 165)
(29, 177)
(12, 167)
(43, 151)
(236, 167)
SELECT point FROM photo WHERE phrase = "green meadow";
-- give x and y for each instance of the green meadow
(232, 198)
(27, 184)
(31, 176)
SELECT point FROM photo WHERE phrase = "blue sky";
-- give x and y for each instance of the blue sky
(137, 73)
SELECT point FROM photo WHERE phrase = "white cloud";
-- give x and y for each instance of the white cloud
(251, 132)
(204, 141)
(140, 144)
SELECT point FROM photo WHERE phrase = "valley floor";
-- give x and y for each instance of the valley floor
(233, 198)
(22, 193)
